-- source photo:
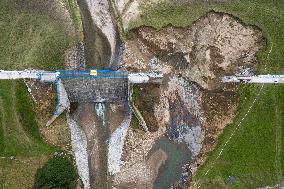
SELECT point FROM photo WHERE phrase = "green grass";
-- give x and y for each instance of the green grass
(19, 131)
(75, 15)
(30, 40)
(25, 109)
(27, 40)
(251, 155)
(19, 174)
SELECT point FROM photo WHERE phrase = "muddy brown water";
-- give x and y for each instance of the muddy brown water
(171, 171)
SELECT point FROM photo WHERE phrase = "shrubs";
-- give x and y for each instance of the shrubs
(58, 172)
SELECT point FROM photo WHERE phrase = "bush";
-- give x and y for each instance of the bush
(57, 173)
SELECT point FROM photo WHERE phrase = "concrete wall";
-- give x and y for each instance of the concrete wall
(96, 90)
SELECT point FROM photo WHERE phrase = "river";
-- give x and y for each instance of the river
(93, 118)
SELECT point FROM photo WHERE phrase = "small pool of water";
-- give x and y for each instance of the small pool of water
(178, 155)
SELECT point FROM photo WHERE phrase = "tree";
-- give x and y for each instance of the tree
(58, 172)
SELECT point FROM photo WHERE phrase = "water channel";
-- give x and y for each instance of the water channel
(98, 55)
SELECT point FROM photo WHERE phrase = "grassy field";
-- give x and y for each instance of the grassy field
(27, 40)
(254, 155)
(30, 40)
(19, 135)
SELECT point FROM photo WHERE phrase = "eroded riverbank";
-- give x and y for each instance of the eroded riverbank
(191, 107)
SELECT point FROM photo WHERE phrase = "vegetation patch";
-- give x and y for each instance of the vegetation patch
(28, 39)
(25, 109)
(19, 132)
(134, 98)
(252, 156)
(58, 172)
(135, 122)
(135, 93)
(75, 15)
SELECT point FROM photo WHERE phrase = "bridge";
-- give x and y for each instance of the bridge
(85, 85)
(277, 79)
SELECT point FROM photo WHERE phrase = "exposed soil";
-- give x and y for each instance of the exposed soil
(191, 103)
(138, 171)
(116, 114)
(150, 94)
(220, 109)
(58, 134)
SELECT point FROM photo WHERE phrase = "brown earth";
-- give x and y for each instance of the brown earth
(149, 95)
(43, 96)
(138, 170)
(192, 61)
(146, 171)
(220, 110)
(116, 114)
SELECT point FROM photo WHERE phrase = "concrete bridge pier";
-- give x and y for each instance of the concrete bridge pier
(63, 102)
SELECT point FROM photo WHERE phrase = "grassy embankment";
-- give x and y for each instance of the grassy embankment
(253, 155)
(75, 16)
(27, 40)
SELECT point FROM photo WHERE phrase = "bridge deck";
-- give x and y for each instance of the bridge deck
(96, 90)
(79, 74)
(88, 85)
